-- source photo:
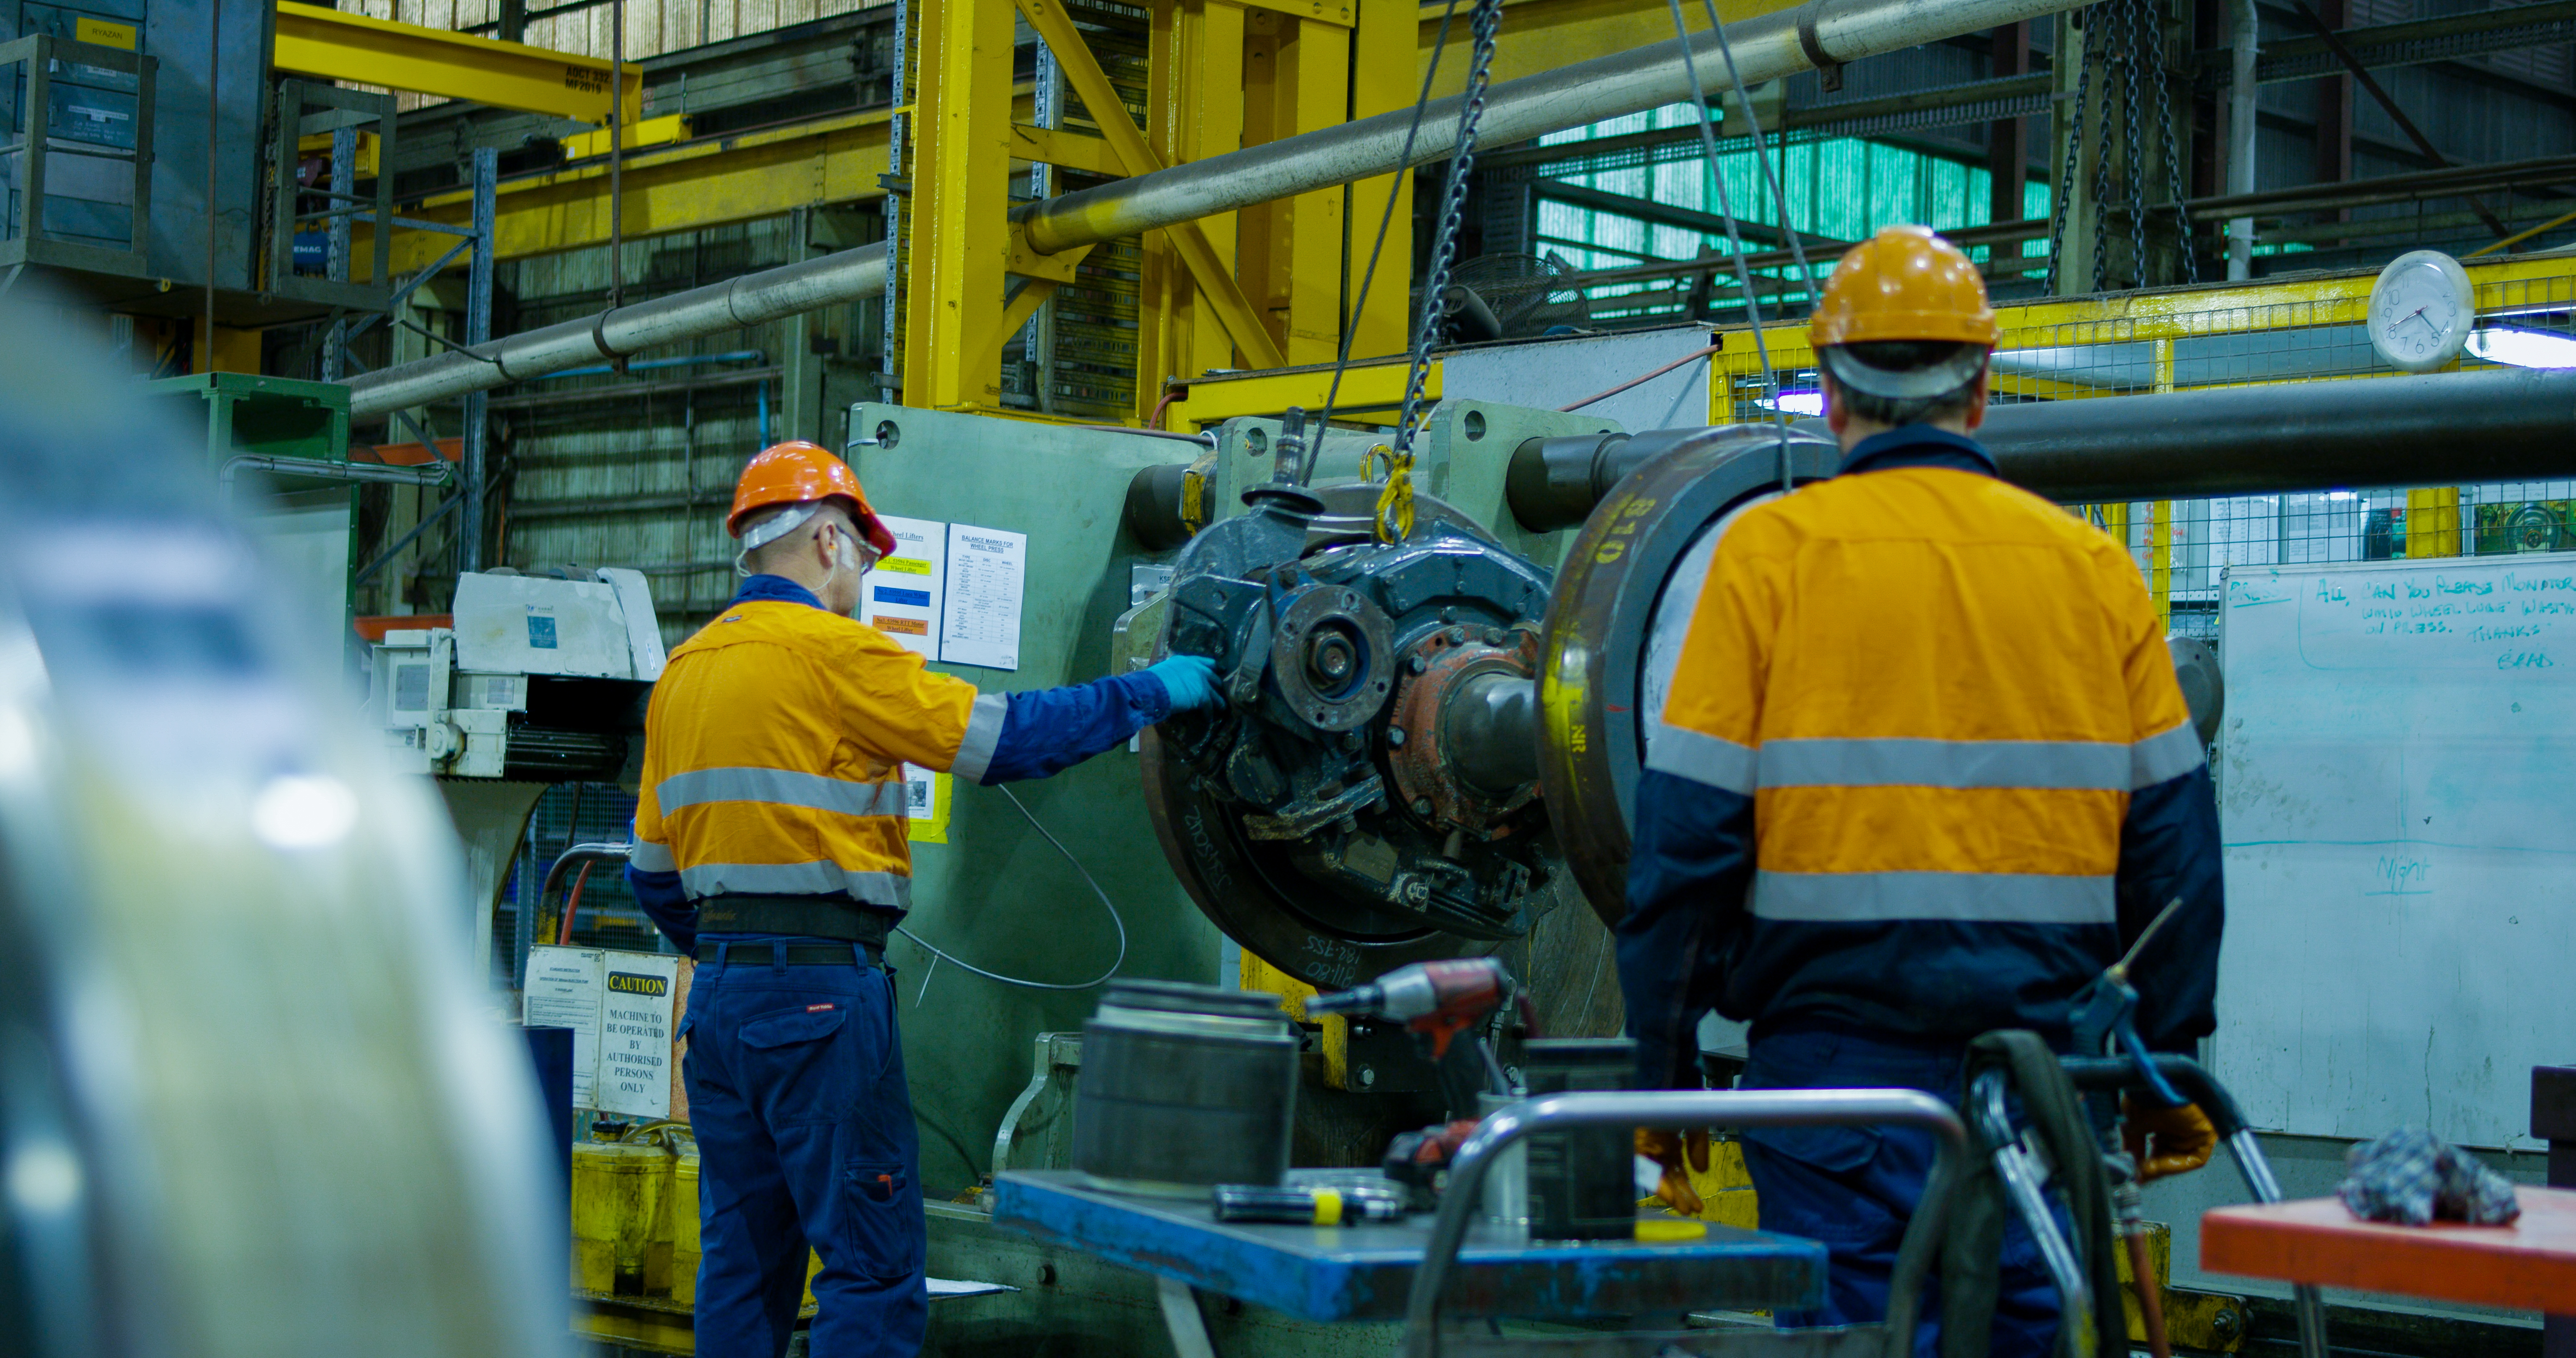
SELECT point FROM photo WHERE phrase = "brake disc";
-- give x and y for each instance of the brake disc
(1615, 622)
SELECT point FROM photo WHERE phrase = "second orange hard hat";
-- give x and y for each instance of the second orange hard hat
(1904, 283)
(796, 471)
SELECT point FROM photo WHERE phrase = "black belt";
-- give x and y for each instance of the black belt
(796, 954)
(836, 917)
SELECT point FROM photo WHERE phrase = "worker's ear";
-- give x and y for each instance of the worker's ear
(1837, 419)
(1976, 416)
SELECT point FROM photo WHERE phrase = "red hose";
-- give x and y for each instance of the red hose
(572, 902)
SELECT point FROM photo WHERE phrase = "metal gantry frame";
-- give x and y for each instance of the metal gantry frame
(1266, 287)
(475, 241)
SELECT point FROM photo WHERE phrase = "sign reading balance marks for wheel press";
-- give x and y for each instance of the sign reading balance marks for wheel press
(979, 621)
(619, 1007)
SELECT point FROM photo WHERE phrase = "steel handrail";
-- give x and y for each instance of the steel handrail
(1461, 1199)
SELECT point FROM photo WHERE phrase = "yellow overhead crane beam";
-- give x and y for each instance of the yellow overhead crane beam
(690, 186)
(332, 45)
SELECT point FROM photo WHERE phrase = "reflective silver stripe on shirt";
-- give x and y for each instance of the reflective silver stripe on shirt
(648, 856)
(892, 890)
(1702, 758)
(983, 734)
(1984, 897)
(2170, 755)
(780, 787)
(1907, 762)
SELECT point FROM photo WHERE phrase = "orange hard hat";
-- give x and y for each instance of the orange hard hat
(795, 472)
(1903, 284)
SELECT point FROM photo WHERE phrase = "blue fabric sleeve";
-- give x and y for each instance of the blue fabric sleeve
(2169, 849)
(660, 895)
(1052, 729)
(1687, 876)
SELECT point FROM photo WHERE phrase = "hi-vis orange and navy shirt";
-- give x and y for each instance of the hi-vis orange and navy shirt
(775, 742)
(1924, 771)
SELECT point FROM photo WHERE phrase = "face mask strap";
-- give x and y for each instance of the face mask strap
(770, 530)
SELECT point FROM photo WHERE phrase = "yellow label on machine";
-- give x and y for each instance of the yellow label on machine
(103, 33)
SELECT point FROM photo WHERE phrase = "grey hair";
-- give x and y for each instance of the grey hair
(1901, 356)
(772, 527)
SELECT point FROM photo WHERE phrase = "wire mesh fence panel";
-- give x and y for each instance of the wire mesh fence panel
(2235, 335)
(607, 916)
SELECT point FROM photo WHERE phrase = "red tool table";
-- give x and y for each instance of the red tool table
(2529, 1265)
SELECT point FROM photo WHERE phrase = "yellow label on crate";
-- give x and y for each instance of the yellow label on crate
(103, 33)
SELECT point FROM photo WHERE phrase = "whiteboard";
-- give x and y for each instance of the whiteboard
(2397, 793)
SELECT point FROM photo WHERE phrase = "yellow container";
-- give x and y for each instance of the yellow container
(618, 1189)
(681, 1224)
(683, 1219)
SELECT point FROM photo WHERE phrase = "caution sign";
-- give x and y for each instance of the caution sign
(621, 1007)
(635, 1025)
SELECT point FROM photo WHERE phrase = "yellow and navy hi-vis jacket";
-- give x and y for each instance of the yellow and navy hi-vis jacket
(775, 742)
(1924, 771)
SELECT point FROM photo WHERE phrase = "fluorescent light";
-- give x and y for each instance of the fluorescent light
(1798, 403)
(2523, 348)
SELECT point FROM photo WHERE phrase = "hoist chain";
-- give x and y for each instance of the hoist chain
(2133, 179)
(2173, 161)
(1483, 23)
(2104, 16)
(2065, 195)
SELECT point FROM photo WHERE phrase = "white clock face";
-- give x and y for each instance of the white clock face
(2420, 312)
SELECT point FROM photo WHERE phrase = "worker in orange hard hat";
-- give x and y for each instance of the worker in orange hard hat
(1923, 773)
(770, 842)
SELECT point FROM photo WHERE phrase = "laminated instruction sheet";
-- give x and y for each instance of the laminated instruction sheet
(619, 1007)
(902, 593)
(979, 621)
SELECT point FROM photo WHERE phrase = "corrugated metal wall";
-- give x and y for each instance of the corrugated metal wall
(637, 468)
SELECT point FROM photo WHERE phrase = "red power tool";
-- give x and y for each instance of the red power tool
(1437, 1001)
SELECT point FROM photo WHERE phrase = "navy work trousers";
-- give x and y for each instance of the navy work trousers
(1854, 1188)
(805, 1135)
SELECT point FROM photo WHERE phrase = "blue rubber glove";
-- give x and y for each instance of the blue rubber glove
(1190, 680)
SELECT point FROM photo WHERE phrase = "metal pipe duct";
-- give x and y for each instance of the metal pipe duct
(753, 299)
(1766, 48)
(2497, 424)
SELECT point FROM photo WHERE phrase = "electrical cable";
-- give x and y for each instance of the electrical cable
(1734, 234)
(1421, 102)
(1762, 154)
(1639, 381)
(1105, 904)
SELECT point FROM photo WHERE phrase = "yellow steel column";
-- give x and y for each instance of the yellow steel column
(961, 164)
(2160, 528)
(1315, 76)
(1197, 93)
(1297, 79)
(2160, 562)
(2432, 521)
(1269, 113)
(1386, 73)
